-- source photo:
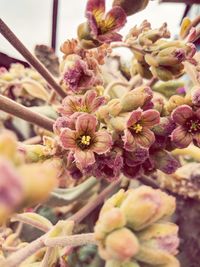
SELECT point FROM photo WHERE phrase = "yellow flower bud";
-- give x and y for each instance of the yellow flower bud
(121, 245)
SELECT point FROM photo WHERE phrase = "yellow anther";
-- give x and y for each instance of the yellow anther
(85, 140)
(82, 109)
(137, 128)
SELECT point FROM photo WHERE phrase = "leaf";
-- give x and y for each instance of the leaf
(35, 220)
(60, 197)
(35, 89)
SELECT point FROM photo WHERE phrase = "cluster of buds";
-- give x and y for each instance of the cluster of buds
(155, 56)
(133, 229)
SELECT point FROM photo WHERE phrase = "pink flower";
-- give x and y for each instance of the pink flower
(188, 130)
(104, 26)
(88, 103)
(138, 129)
(85, 141)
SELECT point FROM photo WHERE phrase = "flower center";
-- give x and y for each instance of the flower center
(137, 128)
(82, 109)
(193, 125)
(84, 141)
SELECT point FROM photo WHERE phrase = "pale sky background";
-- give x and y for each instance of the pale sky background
(31, 20)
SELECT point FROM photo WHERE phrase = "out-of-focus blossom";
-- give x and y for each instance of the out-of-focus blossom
(103, 26)
(188, 126)
(138, 129)
(84, 141)
(88, 103)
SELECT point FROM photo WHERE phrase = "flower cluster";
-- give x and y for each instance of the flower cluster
(130, 229)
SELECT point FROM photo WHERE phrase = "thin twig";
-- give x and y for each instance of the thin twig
(90, 206)
(12, 39)
(25, 113)
(72, 241)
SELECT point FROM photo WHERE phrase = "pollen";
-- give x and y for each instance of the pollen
(82, 109)
(85, 140)
(137, 128)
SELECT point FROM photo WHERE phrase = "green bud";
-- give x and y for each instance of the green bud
(162, 73)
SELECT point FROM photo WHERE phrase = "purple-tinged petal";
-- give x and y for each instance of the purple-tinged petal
(180, 137)
(97, 8)
(70, 105)
(86, 124)
(109, 37)
(79, 77)
(93, 25)
(181, 114)
(197, 113)
(134, 117)
(63, 122)
(165, 162)
(129, 141)
(150, 118)
(146, 138)
(102, 142)
(84, 158)
(132, 172)
(115, 19)
(138, 156)
(92, 101)
(68, 139)
(197, 139)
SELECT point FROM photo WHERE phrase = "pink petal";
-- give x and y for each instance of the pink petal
(146, 138)
(150, 118)
(84, 158)
(70, 105)
(109, 37)
(115, 19)
(180, 137)
(63, 122)
(129, 141)
(134, 117)
(197, 139)
(181, 114)
(92, 101)
(96, 7)
(197, 113)
(102, 142)
(86, 124)
(68, 138)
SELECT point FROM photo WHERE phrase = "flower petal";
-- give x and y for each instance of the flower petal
(134, 117)
(86, 124)
(70, 104)
(92, 101)
(84, 158)
(129, 141)
(63, 122)
(180, 137)
(97, 8)
(102, 142)
(197, 139)
(115, 19)
(68, 138)
(181, 114)
(146, 138)
(109, 37)
(150, 118)
(138, 156)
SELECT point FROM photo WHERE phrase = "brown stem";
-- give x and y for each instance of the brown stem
(72, 241)
(12, 38)
(90, 206)
(24, 113)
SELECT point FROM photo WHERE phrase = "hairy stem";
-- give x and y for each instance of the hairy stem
(15, 42)
(25, 113)
(72, 241)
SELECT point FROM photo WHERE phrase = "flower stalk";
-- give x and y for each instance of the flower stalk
(15, 109)
(15, 42)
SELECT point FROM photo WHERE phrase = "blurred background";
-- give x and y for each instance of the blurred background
(32, 20)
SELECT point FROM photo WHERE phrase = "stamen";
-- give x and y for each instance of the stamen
(85, 140)
(137, 128)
